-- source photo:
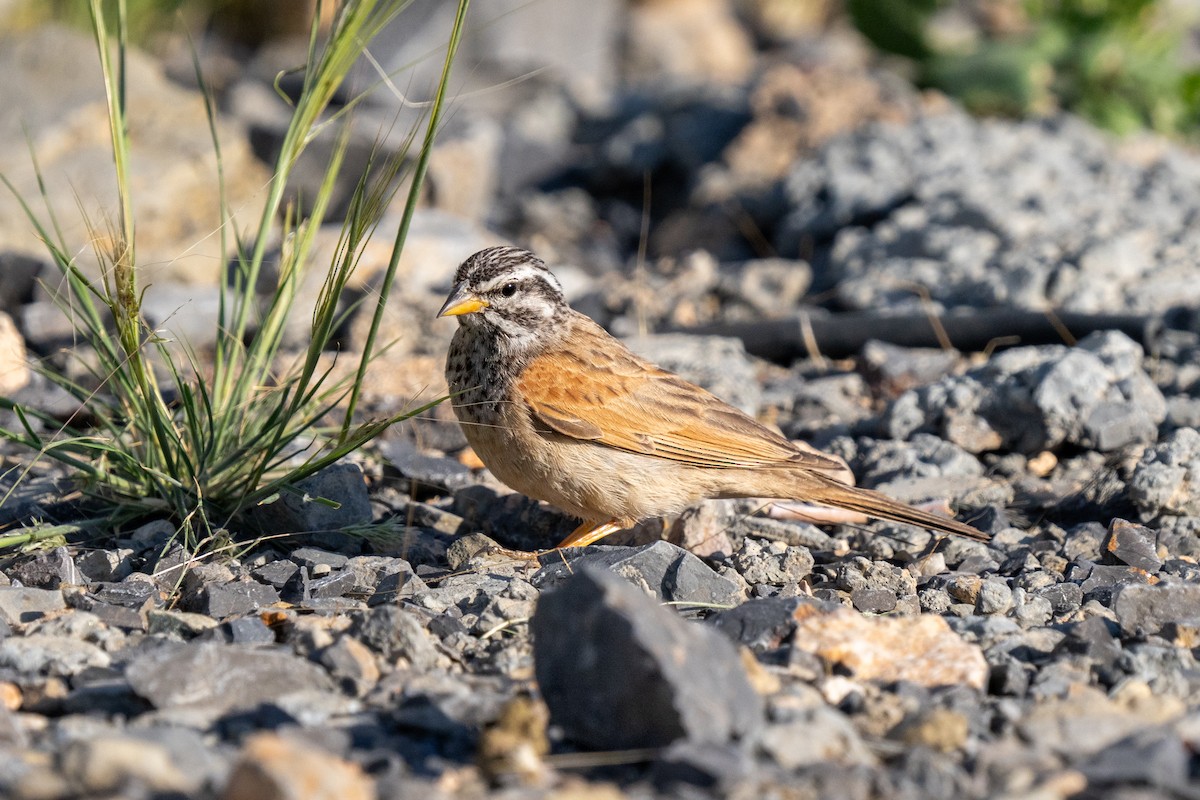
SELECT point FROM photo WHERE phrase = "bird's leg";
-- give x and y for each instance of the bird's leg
(590, 532)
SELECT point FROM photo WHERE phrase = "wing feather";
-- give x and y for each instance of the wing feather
(600, 391)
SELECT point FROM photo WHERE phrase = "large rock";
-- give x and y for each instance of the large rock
(617, 670)
(220, 677)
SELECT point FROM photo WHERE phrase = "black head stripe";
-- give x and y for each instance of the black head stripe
(485, 266)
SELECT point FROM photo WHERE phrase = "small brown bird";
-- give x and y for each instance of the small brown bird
(561, 411)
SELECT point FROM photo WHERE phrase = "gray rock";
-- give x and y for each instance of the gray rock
(902, 368)
(1031, 611)
(664, 570)
(770, 562)
(351, 664)
(1102, 582)
(859, 573)
(276, 573)
(937, 202)
(873, 601)
(137, 592)
(1155, 757)
(183, 624)
(220, 677)
(1143, 609)
(704, 765)
(398, 634)
(1166, 479)
(995, 597)
(47, 570)
(630, 673)
(768, 287)
(247, 631)
(394, 582)
(20, 605)
(233, 599)
(118, 616)
(329, 586)
(50, 655)
(1031, 399)
(199, 576)
(816, 736)
(764, 624)
(1093, 639)
(314, 558)
(1133, 544)
(105, 565)
(334, 498)
(113, 763)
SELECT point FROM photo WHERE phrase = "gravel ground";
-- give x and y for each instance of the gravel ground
(731, 652)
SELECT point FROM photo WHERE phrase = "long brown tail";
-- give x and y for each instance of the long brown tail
(827, 491)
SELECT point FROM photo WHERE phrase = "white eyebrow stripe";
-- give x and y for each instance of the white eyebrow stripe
(523, 272)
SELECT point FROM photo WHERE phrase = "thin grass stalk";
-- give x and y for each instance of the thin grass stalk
(124, 295)
(410, 207)
(355, 23)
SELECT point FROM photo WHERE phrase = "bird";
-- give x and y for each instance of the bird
(560, 410)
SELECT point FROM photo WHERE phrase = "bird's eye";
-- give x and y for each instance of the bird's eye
(509, 289)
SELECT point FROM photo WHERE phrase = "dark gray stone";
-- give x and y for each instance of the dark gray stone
(335, 585)
(220, 677)
(246, 630)
(703, 765)
(1009, 678)
(995, 597)
(873, 601)
(666, 571)
(334, 498)
(1132, 544)
(233, 599)
(1143, 610)
(1093, 638)
(398, 634)
(617, 670)
(313, 557)
(198, 577)
(1155, 757)
(50, 570)
(1103, 581)
(105, 565)
(276, 573)
(129, 593)
(902, 368)
(20, 605)
(118, 616)
(395, 582)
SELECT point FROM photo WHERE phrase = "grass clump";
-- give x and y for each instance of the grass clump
(168, 437)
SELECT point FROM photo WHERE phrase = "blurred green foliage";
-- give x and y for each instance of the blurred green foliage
(146, 17)
(1117, 62)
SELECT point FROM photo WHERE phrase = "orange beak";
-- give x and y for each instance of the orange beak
(462, 301)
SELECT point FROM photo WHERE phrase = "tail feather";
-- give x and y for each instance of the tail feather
(828, 491)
